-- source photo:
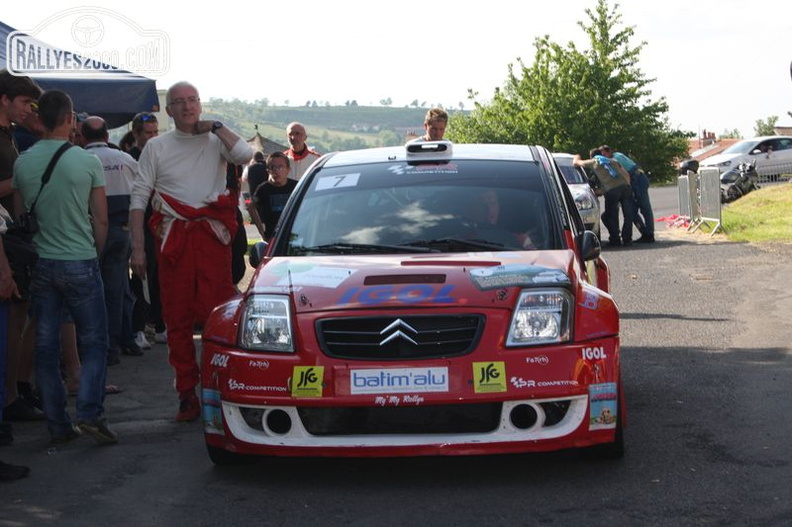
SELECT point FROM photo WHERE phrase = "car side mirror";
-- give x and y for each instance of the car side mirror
(588, 245)
(256, 253)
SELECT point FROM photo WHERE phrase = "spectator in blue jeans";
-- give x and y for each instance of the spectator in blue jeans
(639, 182)
(67, 274)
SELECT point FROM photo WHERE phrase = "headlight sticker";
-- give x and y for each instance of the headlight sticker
(603, 404)
(590, 298)
(515, 275)
(489, 377)
(307, 381)
(305, 274)
(212, 412)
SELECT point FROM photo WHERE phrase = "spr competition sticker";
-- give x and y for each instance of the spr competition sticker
(515, 275)
(603, 404)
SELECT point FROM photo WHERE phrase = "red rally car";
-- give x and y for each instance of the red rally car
(429, 299)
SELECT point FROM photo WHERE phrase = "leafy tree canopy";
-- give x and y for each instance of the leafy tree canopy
(572, 100)
(767, 126)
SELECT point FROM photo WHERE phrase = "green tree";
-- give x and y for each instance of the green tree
(766, 127)
(731, 134)
(571, 100)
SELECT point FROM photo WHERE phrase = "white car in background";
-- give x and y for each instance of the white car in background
(773, 156)
(585, 199)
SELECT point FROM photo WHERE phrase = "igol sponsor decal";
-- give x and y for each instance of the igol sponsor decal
(408, 294)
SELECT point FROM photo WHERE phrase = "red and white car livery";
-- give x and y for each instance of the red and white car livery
(420, 300)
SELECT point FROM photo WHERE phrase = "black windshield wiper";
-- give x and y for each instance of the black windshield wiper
(356, 248)
(449, 243)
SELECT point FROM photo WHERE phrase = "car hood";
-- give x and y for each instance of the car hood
(456, 279)
(721, 158)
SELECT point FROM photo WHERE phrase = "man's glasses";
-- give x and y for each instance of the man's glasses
(275, 168)
(34, 106)
(180, 101)
(80, 117)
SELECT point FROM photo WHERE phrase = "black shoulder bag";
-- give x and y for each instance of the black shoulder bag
(18, 241)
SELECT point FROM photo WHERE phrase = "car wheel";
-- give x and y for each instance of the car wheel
(224, 457)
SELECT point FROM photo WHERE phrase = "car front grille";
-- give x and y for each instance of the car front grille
(394, 338)
(447, 419)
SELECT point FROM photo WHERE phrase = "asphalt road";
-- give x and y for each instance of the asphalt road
(706, 359)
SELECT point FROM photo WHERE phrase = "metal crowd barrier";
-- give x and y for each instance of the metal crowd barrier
(781, 174)
(699, 199)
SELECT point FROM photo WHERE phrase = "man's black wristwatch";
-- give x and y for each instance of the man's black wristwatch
(216, 126)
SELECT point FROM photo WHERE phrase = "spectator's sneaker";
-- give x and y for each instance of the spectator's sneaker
(161, 337)
(21, 410)
(189, 408)
(614, 243)
(132, 349)
(646, 239)
(98, 431)
(70, 435)
(12, 472)
(141, 340)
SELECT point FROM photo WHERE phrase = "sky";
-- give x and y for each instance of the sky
(720, 64)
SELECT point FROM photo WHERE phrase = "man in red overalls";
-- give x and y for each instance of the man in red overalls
(183, 172)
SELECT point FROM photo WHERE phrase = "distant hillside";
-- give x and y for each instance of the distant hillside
(329, 128)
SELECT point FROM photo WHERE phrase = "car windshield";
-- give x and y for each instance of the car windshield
(459, 206)
(743, 147)
(571, 173)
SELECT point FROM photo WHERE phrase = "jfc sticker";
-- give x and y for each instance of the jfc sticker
(489, 377)
(307, 381)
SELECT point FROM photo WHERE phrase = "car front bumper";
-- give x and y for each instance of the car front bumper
(540, 401)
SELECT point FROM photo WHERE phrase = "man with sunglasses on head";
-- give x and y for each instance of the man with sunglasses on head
(18, 96)
(148, 307)
(144, 127)
(193, 222)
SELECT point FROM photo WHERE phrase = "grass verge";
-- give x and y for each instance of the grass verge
(761, 216)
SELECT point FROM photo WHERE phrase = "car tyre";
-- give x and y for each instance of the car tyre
(223, 457)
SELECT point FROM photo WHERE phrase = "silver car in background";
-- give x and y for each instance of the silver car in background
(585, 199)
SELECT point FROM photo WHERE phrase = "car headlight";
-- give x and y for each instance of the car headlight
(584, 202)
(541, 316)
(266, 324)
